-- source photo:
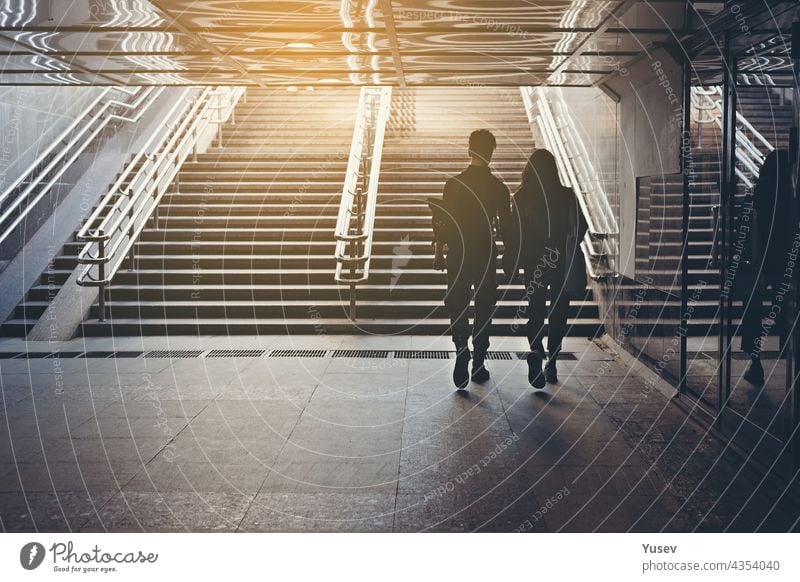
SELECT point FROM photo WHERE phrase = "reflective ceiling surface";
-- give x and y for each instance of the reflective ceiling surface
(296, 42)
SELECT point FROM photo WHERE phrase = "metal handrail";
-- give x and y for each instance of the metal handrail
(587, 245)
(86, 127)
(562, 138)
(707, 108)
(355, 223)
(575, 161)
(113, 229)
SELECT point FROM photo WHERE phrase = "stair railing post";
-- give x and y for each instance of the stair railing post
(131, 251)
(101, 268)
(219, 118)
(156, 214)
(194, 140)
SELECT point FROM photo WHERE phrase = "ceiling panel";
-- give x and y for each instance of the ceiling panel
(477, 79)
(52, 78)
(66, 43)
(259, 42)
(471, 59)
(32, 63)
(177, 78)
(65, 13)
(486, 42)
(293, 63)
(298, 43)
(512, 17)
(261, 15)
(139, 63)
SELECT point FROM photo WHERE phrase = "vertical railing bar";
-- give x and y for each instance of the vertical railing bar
(101, 274)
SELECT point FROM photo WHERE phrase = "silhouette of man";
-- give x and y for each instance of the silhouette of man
(478, 204)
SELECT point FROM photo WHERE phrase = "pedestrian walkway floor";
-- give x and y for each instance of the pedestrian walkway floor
(256, 442)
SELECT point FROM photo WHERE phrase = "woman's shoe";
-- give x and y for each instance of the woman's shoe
(755, 373)
(535, 376)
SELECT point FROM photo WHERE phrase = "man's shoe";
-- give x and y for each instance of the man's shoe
(550, 372)
(755, 373)
(535, 376)
(461, 371)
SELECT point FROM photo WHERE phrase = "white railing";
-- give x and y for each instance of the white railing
(707, 108)
(549, 113)
(38, 179)
(356, 221)
(113, 229)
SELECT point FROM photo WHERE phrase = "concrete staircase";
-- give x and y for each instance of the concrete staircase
(244, 244)
(244, 237)
(426, 143)
(659, 236)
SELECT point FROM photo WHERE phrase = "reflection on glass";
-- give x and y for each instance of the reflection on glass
(766, 246)
(655, 301)
(755, 263)
(353, 13)
(704, 283)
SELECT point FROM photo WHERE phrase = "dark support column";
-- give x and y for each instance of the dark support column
(727, 199)
(793, 362)
(686, 169)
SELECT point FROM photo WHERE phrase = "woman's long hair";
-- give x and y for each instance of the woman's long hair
(540, 174)
(542, 190)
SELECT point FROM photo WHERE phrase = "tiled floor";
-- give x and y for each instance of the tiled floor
(337, 444)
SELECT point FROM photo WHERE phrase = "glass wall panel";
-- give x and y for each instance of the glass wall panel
(703, 167)
(757, 404)
(656, 296)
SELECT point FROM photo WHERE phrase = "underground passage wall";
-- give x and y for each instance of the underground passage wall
(641, 305)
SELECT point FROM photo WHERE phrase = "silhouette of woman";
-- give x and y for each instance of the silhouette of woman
(771, 246)
(546, 225)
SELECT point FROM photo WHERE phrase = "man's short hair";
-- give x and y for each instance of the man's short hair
(482, 144)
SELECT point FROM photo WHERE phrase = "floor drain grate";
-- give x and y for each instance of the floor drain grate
(422, 355)
(361, 354)
(235, 354)
(499, 356)
(562, 356)
(298, 353)
(173, 354)
(63, 355)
